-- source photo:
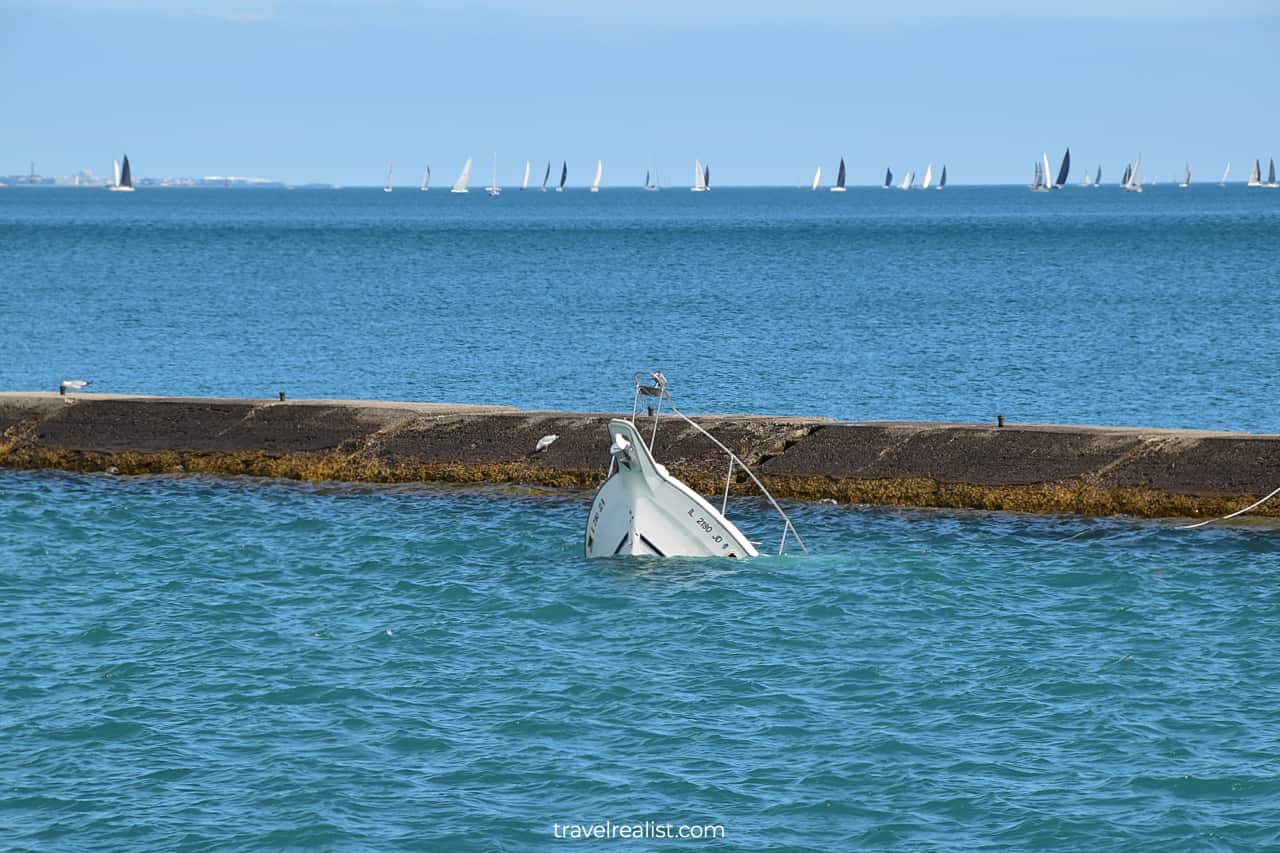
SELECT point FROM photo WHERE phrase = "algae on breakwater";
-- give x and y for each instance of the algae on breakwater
(1049, 469)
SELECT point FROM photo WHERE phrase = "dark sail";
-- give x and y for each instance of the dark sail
(126, 177)
(888, 177)
(840, 176)
(1098, 179)
(942, 183)
(546, 177)
(706, 176)
(564, 172)
(1066, 167)
(1128, 173)
(646, 179)
(1271, 171)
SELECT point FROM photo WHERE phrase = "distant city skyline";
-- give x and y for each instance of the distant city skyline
(306, 92)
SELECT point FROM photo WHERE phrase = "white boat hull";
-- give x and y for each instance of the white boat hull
(641, 510)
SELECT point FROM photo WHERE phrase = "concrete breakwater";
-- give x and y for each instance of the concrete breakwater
(1017, 467)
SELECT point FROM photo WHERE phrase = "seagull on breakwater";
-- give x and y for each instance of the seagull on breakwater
(544, 442)
(72, 385)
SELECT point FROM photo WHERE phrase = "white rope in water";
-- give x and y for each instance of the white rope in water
(1254, 505)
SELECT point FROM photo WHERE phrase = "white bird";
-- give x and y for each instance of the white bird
(544, 442)
(72, 385)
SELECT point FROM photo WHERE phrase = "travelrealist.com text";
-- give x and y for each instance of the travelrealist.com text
(649, 829)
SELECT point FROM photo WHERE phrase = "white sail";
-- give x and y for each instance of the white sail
(493, 188)
(1255, 177)
(123, 176)
(1225, 172)
(906, 181)
(426, 179)
(524, 183)
(1048, 181)
(817, 177)
(1186, 177)
(1135, 180)
(699, 179)
(460, 185)
(387, 188)
(595, 182)
(928, 177)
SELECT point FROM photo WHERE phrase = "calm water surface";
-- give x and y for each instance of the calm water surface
(1085, 305)
(192, 663)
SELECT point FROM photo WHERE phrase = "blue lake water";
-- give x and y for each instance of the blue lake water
(1080, 306)
(239, 664)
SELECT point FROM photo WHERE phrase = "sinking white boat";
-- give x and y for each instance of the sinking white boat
(641, 510)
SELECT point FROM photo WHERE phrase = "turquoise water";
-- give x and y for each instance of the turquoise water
(207, 664)
(255, 665)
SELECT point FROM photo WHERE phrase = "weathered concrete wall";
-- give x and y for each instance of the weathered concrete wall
(1020, 467)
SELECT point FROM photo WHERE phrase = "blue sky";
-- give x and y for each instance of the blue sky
(330, 91)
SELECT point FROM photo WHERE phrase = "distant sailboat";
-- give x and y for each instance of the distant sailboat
(1186, 177)
(942, 182)
(387, 188)
(1225, 172)
(1097, 180)
(839, 187)
(699, 178)
(1063, 170)
(123, 177)
(1040, 181)
(1087, 180)
(928, 177)
(524, 183)
(1134, 184)
(460, 185)
(1255, 177)
(1128, 173)
(888, 178)
(595, 182)
(493, 189)
(650, 185)
(546, 176)
(1271, 175)
(817, 177)
(706, 177)
(564, 175)
(426, 179)
(907, 181)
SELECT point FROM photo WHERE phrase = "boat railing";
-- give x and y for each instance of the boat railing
(658, 390)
